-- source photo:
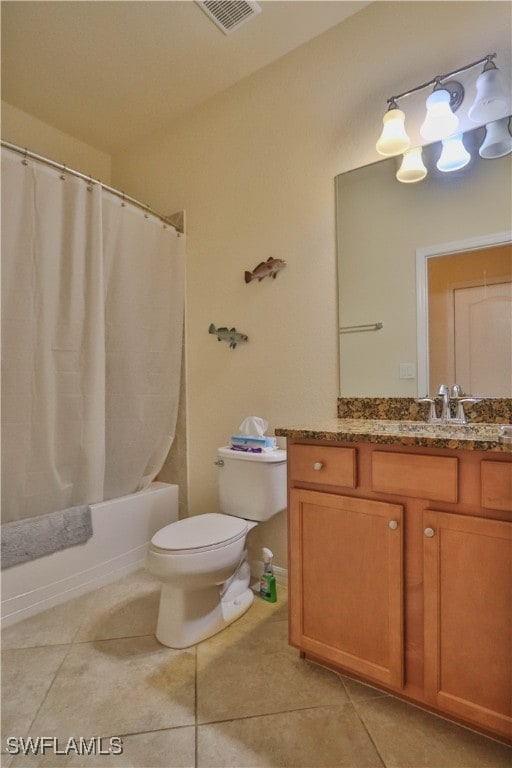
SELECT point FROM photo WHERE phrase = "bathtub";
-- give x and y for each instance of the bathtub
(122, 529)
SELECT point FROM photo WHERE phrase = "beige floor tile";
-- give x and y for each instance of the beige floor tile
(116, 687)
(324, 737)
(262, 610)
(27, 674)
(126, 608)
(257, 672)
(408, 737)
(174, 748)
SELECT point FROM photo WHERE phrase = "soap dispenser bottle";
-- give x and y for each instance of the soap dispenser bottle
(268, 590)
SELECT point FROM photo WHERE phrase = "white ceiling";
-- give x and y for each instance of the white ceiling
(112, 72)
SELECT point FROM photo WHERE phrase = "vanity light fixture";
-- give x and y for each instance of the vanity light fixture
(394, 139)
(454, 154)
(492, 99)
(440, 120)
(498, 141)
(412, 168)
(442, 124)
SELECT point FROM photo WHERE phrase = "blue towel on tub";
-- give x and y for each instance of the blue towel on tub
(34, 537)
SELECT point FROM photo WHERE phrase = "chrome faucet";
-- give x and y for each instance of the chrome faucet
(444, 392)
(446, 416)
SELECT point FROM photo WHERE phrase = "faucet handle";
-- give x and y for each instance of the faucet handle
(433, 417)
(456, 391)
(443, 390)
(461, 416)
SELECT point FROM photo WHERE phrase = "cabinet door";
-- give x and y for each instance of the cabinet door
(345, 573)
(468, 618)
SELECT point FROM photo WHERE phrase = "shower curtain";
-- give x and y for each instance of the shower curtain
(92, 323)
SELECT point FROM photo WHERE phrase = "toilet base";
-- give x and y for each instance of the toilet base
(186, 618)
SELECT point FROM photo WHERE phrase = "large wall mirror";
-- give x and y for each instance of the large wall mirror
(425, 276)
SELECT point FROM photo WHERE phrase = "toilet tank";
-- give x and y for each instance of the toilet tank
(252, 485)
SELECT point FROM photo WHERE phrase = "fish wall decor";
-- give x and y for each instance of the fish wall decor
(268, 268)
(231, 335)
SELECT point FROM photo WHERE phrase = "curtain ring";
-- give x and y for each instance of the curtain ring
(63, 174)
(146, 214)
(25, 157)
(90, 184)
(123, 204)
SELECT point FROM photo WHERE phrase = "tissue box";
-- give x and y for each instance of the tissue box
(250, 441)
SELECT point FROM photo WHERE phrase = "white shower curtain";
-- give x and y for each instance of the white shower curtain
(92, 322)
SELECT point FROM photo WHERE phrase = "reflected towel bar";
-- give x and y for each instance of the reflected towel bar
(361, 328)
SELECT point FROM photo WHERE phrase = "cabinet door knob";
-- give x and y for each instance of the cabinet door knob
(393, 524)
(317, 465)
(429, 532)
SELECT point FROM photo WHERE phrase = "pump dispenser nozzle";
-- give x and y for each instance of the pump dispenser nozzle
(267, 559)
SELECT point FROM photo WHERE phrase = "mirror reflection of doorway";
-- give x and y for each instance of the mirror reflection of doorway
(483, 339)
(470, 321)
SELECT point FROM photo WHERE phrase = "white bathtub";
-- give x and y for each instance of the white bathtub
(122, 529)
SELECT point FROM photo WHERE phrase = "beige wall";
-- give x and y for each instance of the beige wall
(254, 168)
(29, 132)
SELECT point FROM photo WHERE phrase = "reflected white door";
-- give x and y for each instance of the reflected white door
(483, 335)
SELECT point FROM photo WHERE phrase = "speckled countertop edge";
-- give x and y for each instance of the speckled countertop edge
(370, 431)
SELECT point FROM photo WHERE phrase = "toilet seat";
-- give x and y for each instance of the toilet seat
(200, 533)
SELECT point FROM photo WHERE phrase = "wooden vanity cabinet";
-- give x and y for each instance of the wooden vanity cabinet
(468, 618)
(409, 592)
(348, 562)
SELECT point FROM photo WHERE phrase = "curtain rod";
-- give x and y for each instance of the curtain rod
(64, 168)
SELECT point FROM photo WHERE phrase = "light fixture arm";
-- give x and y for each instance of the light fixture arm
(438, 80)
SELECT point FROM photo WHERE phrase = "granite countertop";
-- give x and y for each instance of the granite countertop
(470, 437)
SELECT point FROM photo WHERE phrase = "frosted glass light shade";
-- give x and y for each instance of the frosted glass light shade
(454, 154)
(393, 139)
(440, 121)
(498, 141)
(412, 168)
(492, 100)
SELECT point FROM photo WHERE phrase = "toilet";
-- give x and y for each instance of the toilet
(202, 561)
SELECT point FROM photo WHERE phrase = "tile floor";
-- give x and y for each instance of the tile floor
(244, 698)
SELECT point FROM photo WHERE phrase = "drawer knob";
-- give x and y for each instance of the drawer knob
(393, 524)
(429, 533)
(317, 466)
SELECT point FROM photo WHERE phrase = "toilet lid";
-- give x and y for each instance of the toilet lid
(207, 531)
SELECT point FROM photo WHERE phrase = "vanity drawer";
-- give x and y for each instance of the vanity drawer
(323, 464)
(422, 477)
(496, 486)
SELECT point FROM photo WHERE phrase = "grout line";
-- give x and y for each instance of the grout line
(143, 733)
(359, 717)
(276, 712)
(52, 683)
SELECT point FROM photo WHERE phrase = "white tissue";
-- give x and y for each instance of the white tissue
(253, 426)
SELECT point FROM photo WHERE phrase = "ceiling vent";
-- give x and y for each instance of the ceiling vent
(228, 15)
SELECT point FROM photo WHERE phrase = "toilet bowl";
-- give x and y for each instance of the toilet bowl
(201, 560)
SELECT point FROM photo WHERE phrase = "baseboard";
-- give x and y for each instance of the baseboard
(281, 574)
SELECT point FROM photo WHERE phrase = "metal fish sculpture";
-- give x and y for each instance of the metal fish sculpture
(268, 268)
(230, 335)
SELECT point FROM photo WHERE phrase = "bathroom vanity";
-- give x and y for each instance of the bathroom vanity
(400, 561)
